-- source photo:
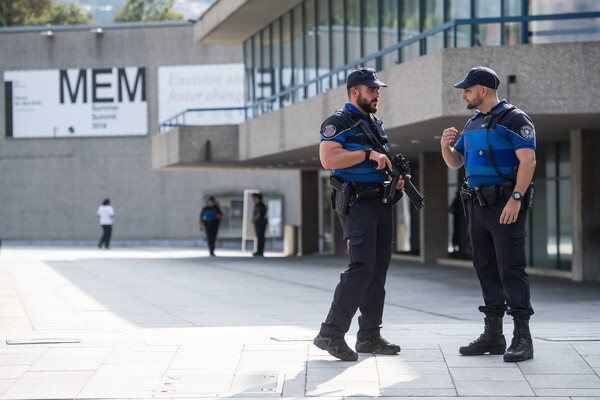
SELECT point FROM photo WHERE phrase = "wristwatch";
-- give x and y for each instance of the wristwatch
(517, 196)
(367, 153)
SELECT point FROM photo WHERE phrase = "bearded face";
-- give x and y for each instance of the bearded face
(368, 103)
(473, 99)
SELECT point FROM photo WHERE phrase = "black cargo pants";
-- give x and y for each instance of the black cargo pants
(368, 231)
(499, 260)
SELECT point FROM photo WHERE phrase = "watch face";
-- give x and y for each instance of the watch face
(516, 196)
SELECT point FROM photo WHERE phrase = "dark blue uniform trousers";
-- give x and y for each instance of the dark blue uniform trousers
(499, 260)
(368, 231)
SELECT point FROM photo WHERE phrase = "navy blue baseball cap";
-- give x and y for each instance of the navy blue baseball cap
(479, 76)
(364, 76)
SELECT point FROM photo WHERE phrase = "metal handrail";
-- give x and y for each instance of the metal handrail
(454, 24)
(179, 118)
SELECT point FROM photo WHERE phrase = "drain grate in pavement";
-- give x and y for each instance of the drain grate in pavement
(570, 338)
(221, 386)
(292, 338)
(41, 341)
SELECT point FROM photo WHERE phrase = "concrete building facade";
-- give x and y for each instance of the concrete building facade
(549, 69)
(50, 188)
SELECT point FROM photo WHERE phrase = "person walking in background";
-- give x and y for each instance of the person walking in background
(106, 217)
(259, 219)
(210, 217)
(497, 149)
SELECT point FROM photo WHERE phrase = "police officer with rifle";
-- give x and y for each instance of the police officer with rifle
(355, 147)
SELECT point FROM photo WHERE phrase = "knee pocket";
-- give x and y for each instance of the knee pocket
(354, 243)
(515, 249)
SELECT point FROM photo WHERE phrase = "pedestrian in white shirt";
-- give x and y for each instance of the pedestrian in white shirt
(106, 216)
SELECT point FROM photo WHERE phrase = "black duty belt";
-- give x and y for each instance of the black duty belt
(359, 190)
(488, 195)
(367, 190)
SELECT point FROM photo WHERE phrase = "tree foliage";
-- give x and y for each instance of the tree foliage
(41, 12)
(147, 10)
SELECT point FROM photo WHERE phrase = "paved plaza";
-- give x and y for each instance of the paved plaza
(172, 323)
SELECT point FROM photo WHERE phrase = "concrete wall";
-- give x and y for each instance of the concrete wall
(50, 188)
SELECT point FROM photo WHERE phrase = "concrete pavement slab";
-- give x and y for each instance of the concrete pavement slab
(168, 323)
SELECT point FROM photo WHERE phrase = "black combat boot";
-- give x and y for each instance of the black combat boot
(376, 345)
(521, 347)
(490, 341)
(336, 346)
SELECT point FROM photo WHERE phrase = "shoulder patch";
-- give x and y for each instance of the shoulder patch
(328, 131)
(526, 132)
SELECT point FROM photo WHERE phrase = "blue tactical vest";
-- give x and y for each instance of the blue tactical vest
(489, 141)
(337, 128)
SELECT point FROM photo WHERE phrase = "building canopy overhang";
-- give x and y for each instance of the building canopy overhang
(232, 21)
(418, 105)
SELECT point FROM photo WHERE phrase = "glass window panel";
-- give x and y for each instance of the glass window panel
(564, 210)
(488, 34)
(460, 9)
(542, 7)
(298, 49)
(512, 30)
(337, 28)
(410, 27)
(276, 59)
(310, 35)
(324, 64)
(512, 8)
(489, 8)
(370, 22)
(569, 30)
(327, 218)
(266, 69)
(389, 31)
(256, 58)
(274, 216)
(512, 33)
(353, 29)
(564, 165)
(542, 231)
(551, 225)
(565, 245)
(249, 73)
(550, 164)
(434, 17)
(564, 30)
(287, 68)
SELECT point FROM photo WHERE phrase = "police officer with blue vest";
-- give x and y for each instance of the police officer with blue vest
(497, 148)
(210, 217)
(358, 175)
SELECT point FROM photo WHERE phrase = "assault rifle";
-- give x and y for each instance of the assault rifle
(400, 167)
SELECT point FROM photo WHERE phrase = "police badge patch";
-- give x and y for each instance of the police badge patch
(527, 132)
(328, 131)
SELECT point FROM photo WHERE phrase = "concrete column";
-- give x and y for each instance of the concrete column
(433, 221)
(585, 175)
(309, 212)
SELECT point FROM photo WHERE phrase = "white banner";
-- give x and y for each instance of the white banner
(77, 102)
(210, 87)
